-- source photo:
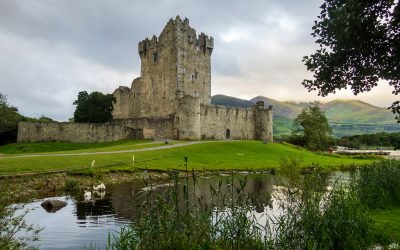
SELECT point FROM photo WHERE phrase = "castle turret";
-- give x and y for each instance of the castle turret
(187, 118)
(263, 122)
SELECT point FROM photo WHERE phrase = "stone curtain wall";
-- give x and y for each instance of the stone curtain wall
(75, 132)
(219, 122)
(159, 127)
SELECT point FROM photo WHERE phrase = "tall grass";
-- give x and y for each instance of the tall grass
(378, 184)
(310, 217)
(315, 218)
(180, 219)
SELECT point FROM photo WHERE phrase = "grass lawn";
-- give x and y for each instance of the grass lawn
(45, 147)
(72, 148)
(388, 220)
(222, 155)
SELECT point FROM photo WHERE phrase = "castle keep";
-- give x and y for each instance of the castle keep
(172, 97)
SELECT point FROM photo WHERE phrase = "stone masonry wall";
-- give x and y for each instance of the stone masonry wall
(152, 127)
(75, 132)
(219, 122)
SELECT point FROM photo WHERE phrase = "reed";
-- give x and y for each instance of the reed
(311, 215)
(378, 184)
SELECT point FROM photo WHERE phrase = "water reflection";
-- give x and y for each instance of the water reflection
(82, 222)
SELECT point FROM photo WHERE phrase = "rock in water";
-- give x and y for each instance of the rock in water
(52, 206)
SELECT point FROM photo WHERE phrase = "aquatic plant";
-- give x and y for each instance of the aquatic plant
(72, 185)
(178, 218)
(311, 216)
(378, 184)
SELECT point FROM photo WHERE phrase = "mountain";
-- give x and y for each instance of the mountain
(346, 117)
(230, 101)
(285, 109)
(355, 111)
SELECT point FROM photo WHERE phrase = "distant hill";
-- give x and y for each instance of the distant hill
(230, 101)
(346, 117)
(355, 111)
(285, 109)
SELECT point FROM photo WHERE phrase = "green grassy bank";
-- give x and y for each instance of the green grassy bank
(223, 155)
(59, 147)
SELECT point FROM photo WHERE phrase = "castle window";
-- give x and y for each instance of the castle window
(177, 119)
(134, 94)
(195, 94)
(195, 74)
(193, 77)
(164, 95)
(155, 56)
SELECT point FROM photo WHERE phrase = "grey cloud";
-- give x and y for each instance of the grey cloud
(53, 49)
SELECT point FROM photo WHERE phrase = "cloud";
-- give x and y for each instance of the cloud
(51, 50)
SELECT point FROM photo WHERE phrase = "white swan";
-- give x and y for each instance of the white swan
(99, 187)
(87, 195)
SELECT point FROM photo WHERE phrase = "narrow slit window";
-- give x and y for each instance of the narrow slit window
(155, 56)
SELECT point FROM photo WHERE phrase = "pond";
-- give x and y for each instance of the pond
(84, 222)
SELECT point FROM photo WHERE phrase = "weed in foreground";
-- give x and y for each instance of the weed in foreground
(12, 224)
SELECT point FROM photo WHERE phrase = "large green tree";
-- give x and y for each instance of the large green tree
(359, 44)
(9, 119)
(94, 107)
(311, 128)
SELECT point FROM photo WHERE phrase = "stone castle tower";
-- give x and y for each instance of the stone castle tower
(171, 98)
(173, 65)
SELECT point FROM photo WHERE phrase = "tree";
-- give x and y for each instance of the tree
(359, 45)
(311, 128)
(94, 107)
(9, 119)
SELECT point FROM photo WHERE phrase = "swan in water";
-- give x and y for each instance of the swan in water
(99, 187)
(87, 195)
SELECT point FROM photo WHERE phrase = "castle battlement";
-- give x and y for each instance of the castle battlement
(201, 42)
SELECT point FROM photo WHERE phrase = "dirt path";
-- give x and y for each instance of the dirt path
(167, 146)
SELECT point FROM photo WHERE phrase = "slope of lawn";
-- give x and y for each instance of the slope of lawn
(224, 155)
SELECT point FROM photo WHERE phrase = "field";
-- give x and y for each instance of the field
(222, 155)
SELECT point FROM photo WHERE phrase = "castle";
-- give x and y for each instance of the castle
(170, 99)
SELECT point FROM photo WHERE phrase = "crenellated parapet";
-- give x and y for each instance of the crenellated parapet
(202, 42)
(146, 45)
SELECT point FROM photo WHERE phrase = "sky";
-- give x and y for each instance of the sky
(52, 49)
